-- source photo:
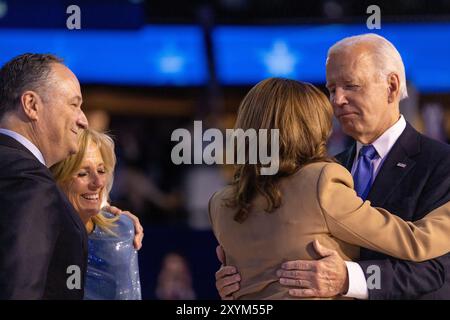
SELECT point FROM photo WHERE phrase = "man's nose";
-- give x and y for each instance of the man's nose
(339, 97)
(82, 121)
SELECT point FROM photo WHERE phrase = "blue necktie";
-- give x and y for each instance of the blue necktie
(363, 175)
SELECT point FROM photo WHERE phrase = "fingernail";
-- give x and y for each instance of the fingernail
(278, 273)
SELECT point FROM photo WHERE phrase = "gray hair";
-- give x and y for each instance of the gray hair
(385, 56)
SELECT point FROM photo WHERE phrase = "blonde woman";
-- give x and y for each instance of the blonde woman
(262, 221)
(86, 178)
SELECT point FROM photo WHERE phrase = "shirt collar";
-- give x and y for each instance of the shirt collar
(386, 141)
(25, 142)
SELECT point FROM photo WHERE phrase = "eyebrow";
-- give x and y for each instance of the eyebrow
(89, 167)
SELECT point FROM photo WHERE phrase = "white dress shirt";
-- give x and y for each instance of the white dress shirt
(357, 285)
(25, 142)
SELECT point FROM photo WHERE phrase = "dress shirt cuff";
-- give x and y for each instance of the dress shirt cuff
(357, 284)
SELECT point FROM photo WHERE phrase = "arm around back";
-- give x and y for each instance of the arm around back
(351, 219)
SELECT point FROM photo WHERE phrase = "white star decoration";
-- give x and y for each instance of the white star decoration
(171, 62)
(279, 60)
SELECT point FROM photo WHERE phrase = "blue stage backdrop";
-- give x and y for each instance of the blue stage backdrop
(153, 55)
(246, 55)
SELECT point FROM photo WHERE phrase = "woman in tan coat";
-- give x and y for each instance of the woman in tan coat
(263, 220)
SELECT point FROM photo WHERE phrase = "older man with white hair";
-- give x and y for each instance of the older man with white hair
(393, 166)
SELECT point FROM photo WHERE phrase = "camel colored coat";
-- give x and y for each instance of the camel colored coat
(318, 202)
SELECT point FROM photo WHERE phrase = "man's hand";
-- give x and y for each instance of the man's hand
(326, 277)
(138, 229)
(227, 278)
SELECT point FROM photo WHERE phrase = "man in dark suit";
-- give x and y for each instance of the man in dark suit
(414, 179)
(393, 166)
(43, 244)
(409, 174)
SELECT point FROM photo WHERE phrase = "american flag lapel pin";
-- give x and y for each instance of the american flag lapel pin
(401, 165)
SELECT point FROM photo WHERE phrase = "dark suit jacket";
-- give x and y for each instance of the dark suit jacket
(410, 192)
(41, 235)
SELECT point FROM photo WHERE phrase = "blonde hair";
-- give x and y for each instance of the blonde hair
(303, 116)
(64, 170)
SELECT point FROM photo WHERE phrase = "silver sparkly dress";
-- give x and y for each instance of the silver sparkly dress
(113, 270)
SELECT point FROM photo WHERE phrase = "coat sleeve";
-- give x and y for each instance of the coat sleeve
(353, 220)
(412, 280)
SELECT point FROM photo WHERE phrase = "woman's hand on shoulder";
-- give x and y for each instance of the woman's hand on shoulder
(138, 229)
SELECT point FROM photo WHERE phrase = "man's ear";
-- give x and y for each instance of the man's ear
(393, 87)
(31, 104)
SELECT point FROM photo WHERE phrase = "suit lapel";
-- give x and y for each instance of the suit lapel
(396, 166)
(346, 157)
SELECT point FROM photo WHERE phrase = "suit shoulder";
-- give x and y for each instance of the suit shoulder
(435, 157)
(25, 181)
(10, 155)
(21, 165)
(434, 147)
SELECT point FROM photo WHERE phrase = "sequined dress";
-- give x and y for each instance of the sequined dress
(113, 270)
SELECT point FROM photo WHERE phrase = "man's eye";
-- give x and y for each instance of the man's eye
(101, 171)
(82, 174)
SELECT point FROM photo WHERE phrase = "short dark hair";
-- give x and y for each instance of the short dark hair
(28, 71)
